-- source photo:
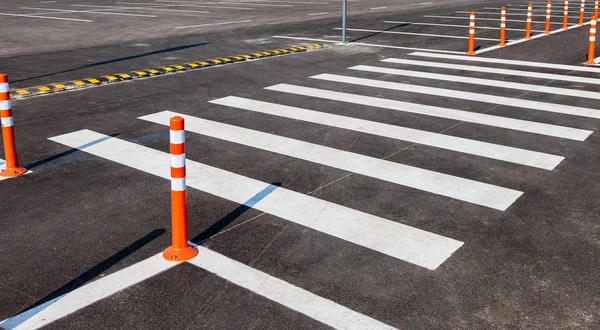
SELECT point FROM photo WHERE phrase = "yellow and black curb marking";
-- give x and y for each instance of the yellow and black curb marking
(20, 93)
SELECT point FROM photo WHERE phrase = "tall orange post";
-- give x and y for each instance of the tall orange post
(581, 12)
(502, 27)
(181, 250)
(471, 50)
(592, 45)
(566, 16)
(8, 132)
(548, 11)
(529, 15)
(596, 9)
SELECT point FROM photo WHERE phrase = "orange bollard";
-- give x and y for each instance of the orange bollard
(566, 16)
(596, 9)
(528, 29)
(548, 10)
(471, 50)
(581, 12)
(502, 27)
(592, 45)
(181, 250)
(8, 132)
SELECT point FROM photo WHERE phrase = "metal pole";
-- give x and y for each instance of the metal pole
(344, 11)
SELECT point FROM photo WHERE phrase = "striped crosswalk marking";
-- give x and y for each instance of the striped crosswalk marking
(481, 81)
(460, 115)
(437, 183)
(473, 147)
(508, 62)
(457, 94)
(508, 72)
(400, 241)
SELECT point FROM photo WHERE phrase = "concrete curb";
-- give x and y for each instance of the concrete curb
(21, 93)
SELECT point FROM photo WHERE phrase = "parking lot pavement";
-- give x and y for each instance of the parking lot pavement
(354, 187)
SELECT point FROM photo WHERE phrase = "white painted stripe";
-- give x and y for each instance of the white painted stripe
(46, 17)
(178, 161)
(4, 88)
(480, 81)
(284, 293)
(177, 137)
(254, 4)
(509, 14)
(484, 19)
(209, 24)
(370, 45)
(414, 34)
(144, 8)
(427, 110)
(6, 122)
(448, 142)
(437, 183)
(61, 11)
(183, 5)
(477, 97)
(89, 294)
(455, 25)
(507, 62)
(508, 72)
(315, 14)
(410, 244)
(178, 184)
(5, 105)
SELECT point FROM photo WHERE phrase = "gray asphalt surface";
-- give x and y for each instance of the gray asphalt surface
(78, 218)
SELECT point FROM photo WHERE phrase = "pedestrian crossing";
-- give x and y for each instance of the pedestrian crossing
(354, 88)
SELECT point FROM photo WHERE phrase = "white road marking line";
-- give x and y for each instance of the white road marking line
(508, 14)
(284, 293)
(400, 241)
(415, 34)
(377, 8)
(143, 8)
(427, 110)
(477, 97)
(426, 3)
(369, 45)
(288, 2)
(480, 81)
(448, 142)
(456, 26)
(182, 5)
(488, 19)
(314, 14)
(46, 17)
(88, 294)
(48, 1)
(507, 72)
(508, 62)
(519, 9)
(209, 24)
(470, 191)
(64, 11)
(255, 4)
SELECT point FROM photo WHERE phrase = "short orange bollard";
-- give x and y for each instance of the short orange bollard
(581, 12)
(8, 132)
(471, 50)
(528, 29)
(592, 45)
(566, 16)
(181, 250)
(502, 27)
(548, 11)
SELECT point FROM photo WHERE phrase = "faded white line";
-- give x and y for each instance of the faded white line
(400, 241)
(415, 34)
(182, 5)
(470, 191)
(255, 4)
(487, 19)
(209, 24)
(427, 110)
(47, 17)
(377, 8)
(284, 293)
(64, 11)
(143, 8)
(314, 14)
(508, 14)
(483, 82)
(456, 26)
(508, 72)
(448, 142)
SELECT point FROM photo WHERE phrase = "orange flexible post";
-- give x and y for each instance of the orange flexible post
(592, 45)
(548, 10)
(502, 27)
(529, 14)
(581, 12)
(181, 250)
(471, 50)
(596, 9)
(566, 16)
(8, 132)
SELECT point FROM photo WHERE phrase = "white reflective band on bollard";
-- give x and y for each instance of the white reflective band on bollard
(177, 137)
(6, 122)
(177, 184)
